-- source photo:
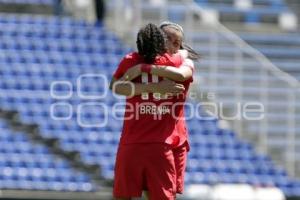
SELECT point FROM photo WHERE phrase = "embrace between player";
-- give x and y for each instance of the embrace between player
(153, 145)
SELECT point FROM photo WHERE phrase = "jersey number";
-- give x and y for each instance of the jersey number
(156, 96)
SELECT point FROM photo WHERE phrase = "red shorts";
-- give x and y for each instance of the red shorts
(155, 167)
(145, 167)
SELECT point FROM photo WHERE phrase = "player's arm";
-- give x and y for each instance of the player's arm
(119, 86)
(184, 72)
(181, 74)
(128, 88)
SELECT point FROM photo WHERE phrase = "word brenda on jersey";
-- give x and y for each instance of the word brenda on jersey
(241, 111)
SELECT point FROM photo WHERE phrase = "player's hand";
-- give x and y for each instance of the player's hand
(132, 73)
(169, 87)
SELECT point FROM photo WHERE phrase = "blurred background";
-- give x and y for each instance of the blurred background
(58, 136)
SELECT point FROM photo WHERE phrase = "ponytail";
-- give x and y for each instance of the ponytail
(192, 54)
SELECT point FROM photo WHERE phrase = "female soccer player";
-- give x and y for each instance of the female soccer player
(174, 43)
(153, 137)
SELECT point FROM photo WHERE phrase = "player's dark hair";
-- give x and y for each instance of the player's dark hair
(150, 42)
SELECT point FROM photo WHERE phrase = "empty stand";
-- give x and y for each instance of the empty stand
(43, 61)
(28, 166)
(256, 11)
(30, 2)
(283, 49)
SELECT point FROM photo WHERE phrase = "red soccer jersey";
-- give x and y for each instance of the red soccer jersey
(148, 117)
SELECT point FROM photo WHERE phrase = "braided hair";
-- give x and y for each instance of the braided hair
(150, 42)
